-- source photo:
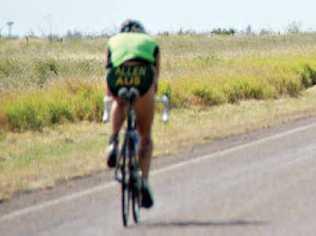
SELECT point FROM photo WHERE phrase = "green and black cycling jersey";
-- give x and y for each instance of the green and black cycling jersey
(125, 47)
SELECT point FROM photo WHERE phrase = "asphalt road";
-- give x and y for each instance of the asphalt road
(256, 184)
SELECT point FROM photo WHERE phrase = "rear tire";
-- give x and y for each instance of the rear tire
(136, 201)
(125, 203)
(125, 199)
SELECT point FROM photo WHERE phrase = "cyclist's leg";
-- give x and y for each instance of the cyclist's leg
(145, 109)
(118, 106)
(118, 117)
(145, 113)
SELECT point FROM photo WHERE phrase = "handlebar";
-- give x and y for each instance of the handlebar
(130, 96)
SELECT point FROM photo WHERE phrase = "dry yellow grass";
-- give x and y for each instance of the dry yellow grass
(196, 70)
(37, 160)
(200, 71)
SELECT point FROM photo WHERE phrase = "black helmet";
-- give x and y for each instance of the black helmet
(132, 26)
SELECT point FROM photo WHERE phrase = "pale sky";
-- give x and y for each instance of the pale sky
(95, 16)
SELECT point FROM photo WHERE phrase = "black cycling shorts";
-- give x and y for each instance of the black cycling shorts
(140, 77)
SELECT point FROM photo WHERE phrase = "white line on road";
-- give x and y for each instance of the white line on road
(103, 187)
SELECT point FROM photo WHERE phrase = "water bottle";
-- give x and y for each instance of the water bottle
(107, 109)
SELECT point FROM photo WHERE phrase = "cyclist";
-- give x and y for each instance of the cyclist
(133, 60)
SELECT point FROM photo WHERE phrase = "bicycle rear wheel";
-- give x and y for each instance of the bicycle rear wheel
(136, 201)
(135, 181)
(125, 193)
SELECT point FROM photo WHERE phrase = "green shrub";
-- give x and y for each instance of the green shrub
(44, 70)
(209, 96)
(308, 76)
(59, 112)
(55, 105)
(294, 87)
(25, 115)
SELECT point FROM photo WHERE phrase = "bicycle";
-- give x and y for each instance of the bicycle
(127, 170)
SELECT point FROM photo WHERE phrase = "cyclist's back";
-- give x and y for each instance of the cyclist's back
(131, 46)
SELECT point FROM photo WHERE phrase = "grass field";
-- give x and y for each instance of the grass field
(51, 98)
(43, 84)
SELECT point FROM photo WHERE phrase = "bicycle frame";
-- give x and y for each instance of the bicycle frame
(127, 165)
(127, 170)
(130, 134)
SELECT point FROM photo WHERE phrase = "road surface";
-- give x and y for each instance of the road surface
(262, 183)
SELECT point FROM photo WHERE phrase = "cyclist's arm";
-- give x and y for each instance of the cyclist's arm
(107, 65)
(107, 59)
(157, 66)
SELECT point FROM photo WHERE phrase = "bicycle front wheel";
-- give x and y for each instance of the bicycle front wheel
(125, 200)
